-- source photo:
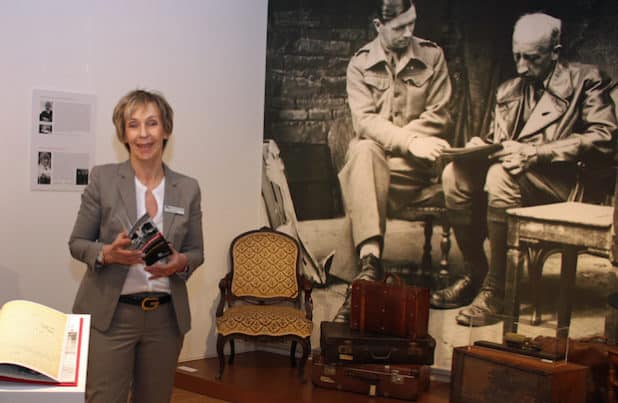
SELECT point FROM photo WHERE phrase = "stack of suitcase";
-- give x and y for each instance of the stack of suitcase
(385, 350)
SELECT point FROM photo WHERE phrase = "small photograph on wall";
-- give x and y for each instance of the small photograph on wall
(359, 117)
(47, 111)
(81, 176)
(45, 128)
(45, 168)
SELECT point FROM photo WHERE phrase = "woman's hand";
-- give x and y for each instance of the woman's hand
(118, 252)
(176, 262)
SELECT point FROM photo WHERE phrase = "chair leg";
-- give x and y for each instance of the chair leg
(220, 345)
(611, 379)
(232, 351)
(306, 344)
(293, 354)
(567, 284)
(536, 258)
(426, 260)
(445, 248)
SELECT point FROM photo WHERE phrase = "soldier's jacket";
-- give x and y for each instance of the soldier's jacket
(575, 114)
(391, 107)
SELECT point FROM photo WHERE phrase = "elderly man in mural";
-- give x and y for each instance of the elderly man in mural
(553, 114)
(398, 91)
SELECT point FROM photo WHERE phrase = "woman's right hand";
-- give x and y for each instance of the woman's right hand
(118, 253)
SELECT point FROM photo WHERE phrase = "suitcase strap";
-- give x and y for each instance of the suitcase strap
(362, 374)
(376, 377)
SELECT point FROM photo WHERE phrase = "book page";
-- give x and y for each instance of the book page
(32, 335)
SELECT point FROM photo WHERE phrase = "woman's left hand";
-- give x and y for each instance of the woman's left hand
(176, 262)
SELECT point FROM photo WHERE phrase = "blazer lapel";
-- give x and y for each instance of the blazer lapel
(547, 110)
(508, 108)
(552, 104)
(171, 198)
(126, 188)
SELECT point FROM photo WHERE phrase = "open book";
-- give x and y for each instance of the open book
(146, 237)
(39, 344)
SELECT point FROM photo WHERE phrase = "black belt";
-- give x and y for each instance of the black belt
(148, 302)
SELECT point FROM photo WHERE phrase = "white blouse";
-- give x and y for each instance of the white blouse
(137, 279)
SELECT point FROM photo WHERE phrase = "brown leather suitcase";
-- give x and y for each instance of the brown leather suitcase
(390, 308)
(397, 381)
(339, 343)
(481, 374)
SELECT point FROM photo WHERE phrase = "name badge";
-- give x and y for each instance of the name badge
(174, 210)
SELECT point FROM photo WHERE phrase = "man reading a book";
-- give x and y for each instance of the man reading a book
(398, 91)
(546, 119)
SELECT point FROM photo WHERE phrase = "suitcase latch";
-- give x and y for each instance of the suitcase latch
(327, 379)
(397, 379)
(329, 370)
(345, 348)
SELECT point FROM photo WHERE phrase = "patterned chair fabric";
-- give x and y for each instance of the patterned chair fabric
(262, 295)
(269, 320)
(264, 266)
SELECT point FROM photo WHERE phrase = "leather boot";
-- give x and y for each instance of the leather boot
(489, 302)
(371, 269)
(464, 288)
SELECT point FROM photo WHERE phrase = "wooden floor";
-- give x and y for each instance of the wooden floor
(185, 396)
(262, 377)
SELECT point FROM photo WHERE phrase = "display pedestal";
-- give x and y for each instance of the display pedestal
(18, 392)
(486, 375)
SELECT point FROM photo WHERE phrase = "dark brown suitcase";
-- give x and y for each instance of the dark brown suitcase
(339, 343)
(481, 374)
(396, 381)
(394, 308)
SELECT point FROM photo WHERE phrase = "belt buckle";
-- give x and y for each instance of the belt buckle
(150, 303)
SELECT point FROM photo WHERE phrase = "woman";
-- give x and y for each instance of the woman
(139, 313)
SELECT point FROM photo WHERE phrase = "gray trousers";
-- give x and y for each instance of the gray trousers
(139, 351)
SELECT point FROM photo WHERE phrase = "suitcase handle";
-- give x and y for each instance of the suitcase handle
(380, 357)
(397, 280)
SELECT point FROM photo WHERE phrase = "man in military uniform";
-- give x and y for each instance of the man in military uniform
(549, 117)
(398, 91)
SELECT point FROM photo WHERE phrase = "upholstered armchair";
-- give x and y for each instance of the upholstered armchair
(264, 296)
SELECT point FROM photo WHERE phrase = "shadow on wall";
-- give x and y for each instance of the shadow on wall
(9, 285)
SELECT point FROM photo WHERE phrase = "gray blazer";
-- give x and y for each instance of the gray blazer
(108, 202)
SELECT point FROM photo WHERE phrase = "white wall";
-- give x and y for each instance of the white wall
(206, 56)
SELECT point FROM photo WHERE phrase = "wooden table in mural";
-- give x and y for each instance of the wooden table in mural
(568, 227)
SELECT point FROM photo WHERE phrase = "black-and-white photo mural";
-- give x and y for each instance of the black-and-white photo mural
(409, 138)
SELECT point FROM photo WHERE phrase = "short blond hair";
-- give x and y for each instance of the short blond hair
(138, 98)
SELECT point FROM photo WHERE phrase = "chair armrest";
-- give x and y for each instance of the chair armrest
(307, 287)
(224, 285)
